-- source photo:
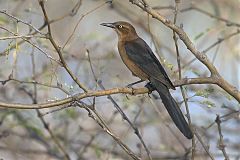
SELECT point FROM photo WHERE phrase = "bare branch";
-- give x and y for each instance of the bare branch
(41, 3)
(180, 77)
(221, 144)
(19, 20)
(202, 57)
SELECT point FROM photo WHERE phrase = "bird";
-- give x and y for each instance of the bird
(141, 61)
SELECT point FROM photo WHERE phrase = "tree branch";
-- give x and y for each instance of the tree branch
(202, 57)
(54, 44)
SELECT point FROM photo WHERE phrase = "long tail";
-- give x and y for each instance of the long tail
(172, 108)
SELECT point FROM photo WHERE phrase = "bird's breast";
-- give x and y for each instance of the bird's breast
(136, 71)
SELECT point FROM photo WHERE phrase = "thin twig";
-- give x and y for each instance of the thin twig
(45, 124)
(27, 40)
(221, 144)
(131, 91)
(223, 116)
(180, 77)
(80, 19)
(21, 36)
(54, 44)
(58, 86)
(194, 8)
(99, 120)
(19, 20)
(72, 13)
(202, 57)
(157, 108)
(218, 42)
(124, 116)
(206, 148)
(227, 21)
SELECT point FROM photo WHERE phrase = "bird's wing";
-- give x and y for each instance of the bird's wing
(141, 54)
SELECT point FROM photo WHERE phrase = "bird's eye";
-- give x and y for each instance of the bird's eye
(120, 26)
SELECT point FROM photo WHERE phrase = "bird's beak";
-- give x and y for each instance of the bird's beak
(110, 25)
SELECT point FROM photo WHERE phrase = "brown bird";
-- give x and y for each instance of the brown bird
(141, 61)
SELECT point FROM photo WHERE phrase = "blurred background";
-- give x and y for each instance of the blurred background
(30, 74)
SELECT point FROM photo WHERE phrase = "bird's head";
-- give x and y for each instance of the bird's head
(125, 30)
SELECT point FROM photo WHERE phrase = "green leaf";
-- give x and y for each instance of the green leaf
(228, 96)
(98, 152)
(199, 35)
(3, 21)
(170, 66)
(204, 93)
(71, 113)
(34, 129)
(196, 72)
(208, 103)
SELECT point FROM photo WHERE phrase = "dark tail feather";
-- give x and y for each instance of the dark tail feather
(172, 108)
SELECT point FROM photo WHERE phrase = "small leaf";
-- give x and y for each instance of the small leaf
(34, 129)
(208, 103)
(71, 113)
(229, 97)
(98, 152)
(196, 72)
(3, 21)
(170, 66)
(199, 35)
(204, 93)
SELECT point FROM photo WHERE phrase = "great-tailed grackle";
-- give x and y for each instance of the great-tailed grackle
(141, 61)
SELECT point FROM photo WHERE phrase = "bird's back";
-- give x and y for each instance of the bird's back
(141, 54)
(132, 66)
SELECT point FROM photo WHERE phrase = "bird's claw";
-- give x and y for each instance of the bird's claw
(129, 86)
(150, 87)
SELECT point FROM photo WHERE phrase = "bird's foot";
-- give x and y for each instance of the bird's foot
(131, 84)
(150, 87)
